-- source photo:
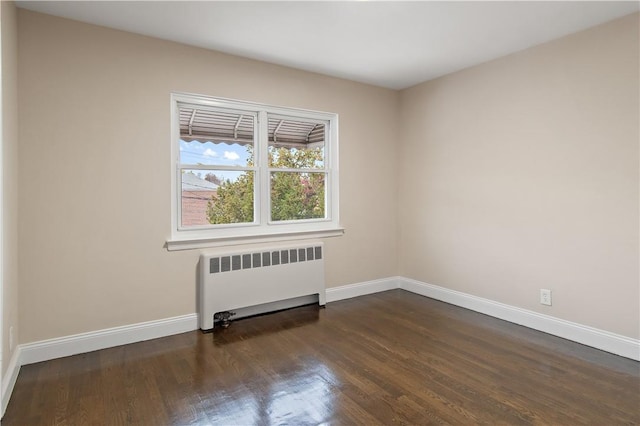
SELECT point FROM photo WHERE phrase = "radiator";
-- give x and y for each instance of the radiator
(254, 280)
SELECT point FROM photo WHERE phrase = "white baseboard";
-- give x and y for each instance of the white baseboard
(589, 336)
(87, 342)
(9, 379)
(360, 289)
(600, 339)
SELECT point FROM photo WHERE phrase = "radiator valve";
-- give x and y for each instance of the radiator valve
(224, 318)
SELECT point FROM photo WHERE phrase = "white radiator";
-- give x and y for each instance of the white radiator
(253, 280)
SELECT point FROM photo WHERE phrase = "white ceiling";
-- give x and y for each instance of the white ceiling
(391, 44)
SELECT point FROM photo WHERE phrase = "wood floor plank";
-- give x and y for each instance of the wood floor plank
(387, 358)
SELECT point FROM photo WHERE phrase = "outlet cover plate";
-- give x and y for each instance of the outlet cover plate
(545, 297)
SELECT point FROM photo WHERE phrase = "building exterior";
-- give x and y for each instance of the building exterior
(196, 194)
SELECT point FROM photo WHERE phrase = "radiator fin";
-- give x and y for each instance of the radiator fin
(246, 261)
(235, 262)
(225, 263)
(257, 260)
(263, 259)
(214, 265)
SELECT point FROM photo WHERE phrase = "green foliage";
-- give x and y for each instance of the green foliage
(233, 202)
(292, 158)
(294, 195)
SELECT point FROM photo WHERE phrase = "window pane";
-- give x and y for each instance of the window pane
(216, 197)
(215, 154)
(215, 137)
(296, 196)
(296, 144)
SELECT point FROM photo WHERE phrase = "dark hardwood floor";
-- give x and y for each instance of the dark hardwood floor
(388, 358)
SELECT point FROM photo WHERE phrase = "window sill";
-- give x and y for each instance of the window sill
(176, 244)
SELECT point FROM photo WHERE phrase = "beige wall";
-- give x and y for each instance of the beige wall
(522, 173)
(94, 147)
(9, 178)
(508, 177)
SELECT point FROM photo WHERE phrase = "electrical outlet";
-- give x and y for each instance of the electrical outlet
(11, 338)
(545, 296)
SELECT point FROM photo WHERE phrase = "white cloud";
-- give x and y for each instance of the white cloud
(211, 153)
(230, 155)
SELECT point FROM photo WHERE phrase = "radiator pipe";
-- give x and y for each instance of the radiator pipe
(224, 317)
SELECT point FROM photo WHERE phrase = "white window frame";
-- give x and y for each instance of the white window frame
(262, 229)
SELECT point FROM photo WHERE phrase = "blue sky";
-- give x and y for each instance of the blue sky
(209, 153)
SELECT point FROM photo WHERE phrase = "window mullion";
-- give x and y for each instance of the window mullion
(214, 167)
(263, 199)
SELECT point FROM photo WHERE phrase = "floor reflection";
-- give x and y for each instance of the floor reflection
(305, 398)
(302, 396)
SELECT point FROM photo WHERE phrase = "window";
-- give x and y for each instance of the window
(246, 171)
